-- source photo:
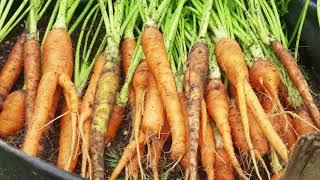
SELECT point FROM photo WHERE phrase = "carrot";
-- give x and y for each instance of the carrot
(266, 80)
(31, 74)
(277, 176)
(140, 84)
(259, 141)
(206, 143)
(12, 114)
(64, 143)
(185, 159)
(158, 63)
(235, 68)
(12, 68)
(303, 123)
(218, 109)
(223, 165)
(197, 67)
(289, 136)
(297, 78)
(115, 121)
(153, 114)
(127, 155)
(128, 46)
(237, 130)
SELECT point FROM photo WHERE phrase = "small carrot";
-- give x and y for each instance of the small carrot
(297, 78)
(12, 68)
(206, 143)
(133, 164)
(12, 114)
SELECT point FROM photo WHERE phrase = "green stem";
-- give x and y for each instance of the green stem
(51, 21)
(129, 23)
(93, 41)
(5, 13)
(44, 9)
(304, 12)
(33, 20)
(61, 18)
(2, 5)
(72, 10)
(3, 34)
(77, 56)
(92, 23)
(205, 18)
(80, 17)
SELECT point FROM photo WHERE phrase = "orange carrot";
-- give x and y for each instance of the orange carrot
(64, 143)
(12, 114)
(12, 68)
(303, 123)
(218, 109)
(266, 80)
(86, 110)
(32, 74)
(297, 78)
(185, 159)
(133, 165)
(114, 123)
(57, 55)
(223, 165)
(154, 49)
(140, 84)
(237, 130)
(153, 114)
(206, 143)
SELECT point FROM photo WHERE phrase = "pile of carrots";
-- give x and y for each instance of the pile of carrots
(214, 81)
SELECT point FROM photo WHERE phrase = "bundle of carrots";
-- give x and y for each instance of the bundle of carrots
(211, 79)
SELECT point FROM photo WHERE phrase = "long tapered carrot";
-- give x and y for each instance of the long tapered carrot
(86, 110)
(218, 109)
(12, 68)
(297, 78)
(154, 49)
(32, 73)
(197, 67)
(206, 143)
(12, 114)
(185, 159)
